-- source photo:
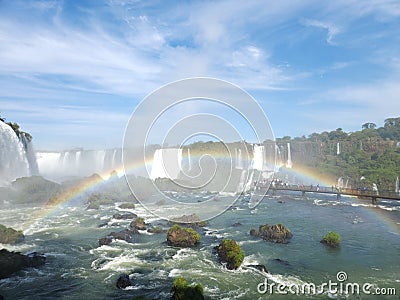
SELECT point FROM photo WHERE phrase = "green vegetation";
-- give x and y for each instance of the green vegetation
(182, 237)
(229, 251)
(155, 229)
(331, 239)
(371, 155)
(183, 291)
(97, 199)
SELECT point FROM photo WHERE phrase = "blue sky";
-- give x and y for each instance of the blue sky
(72, 72)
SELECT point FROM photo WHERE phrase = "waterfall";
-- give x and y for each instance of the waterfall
(249, 182)
(258, 157)
(189, 160)
(397, 188)
(78, 163)
(289, 163)
(337, 148)
(239, 159)
(242, 182)
(14, 156)
(167, 163)
(30, 155)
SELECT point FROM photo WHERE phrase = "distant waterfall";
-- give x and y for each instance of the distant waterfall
(58, 165)
(189, 160)
(30, 155)
(16, 155)
(167, 163)
(289, 163)
(397, 188)
(337, 148)
(258, 158)
(239, 159)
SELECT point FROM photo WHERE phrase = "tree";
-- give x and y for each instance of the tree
(368, 125)
(392, 122)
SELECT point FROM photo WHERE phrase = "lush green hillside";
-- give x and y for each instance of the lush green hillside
(371, 153)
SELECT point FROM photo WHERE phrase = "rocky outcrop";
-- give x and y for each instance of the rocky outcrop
(105, 241)
(183, 291)
(127, 216)
(182, 237)
(128, 235)
(127, 206)
(229, 252)
(138, 224)
(273, 233)
(331, 239)
(10, 236)
(123, 281)
(155, 229)
(34, 189)
(192, 220)
(11, 262)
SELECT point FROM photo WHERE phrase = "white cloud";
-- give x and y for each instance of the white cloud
(332, 30)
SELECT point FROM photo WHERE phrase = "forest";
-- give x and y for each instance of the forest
(370, 155)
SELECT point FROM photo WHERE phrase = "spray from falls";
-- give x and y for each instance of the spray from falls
(80, 163)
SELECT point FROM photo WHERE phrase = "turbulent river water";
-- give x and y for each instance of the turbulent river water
(78, 268)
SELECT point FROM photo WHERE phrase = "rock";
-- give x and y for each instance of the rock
(129, 235)
(260, 268)
(156, 229)
(281, 261)
(237, 224)
(127, 206)
(126, 216)
(182, 237)
(331, 239)
(97, 199)
(253, 232)
(192, 220)
(33, 189)
(123, 281)
(138, 223)
(229, 252)
(105, 224)
(11, 262)
(273, 233)
(10, 236)
(105, 241)
(183, 291)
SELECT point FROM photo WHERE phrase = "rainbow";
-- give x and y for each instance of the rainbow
(306, 175)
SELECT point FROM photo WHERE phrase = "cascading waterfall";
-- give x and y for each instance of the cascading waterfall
(189, 160)
(167, 163)
(289, 163)
(58, 165)
(258, 157)
(239, 159)
(338, 148)
(16, 155)
(30, 155)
